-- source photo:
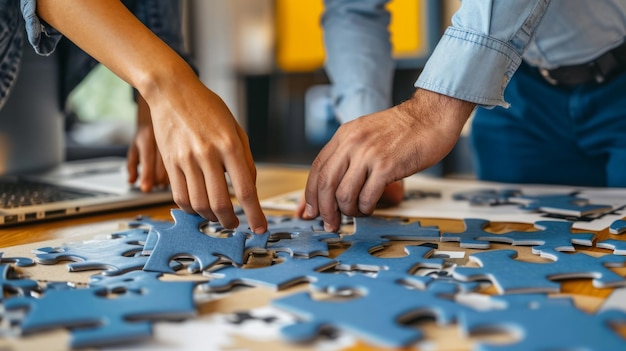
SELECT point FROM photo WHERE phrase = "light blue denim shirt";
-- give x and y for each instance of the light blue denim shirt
(19, 19)
(476, 56)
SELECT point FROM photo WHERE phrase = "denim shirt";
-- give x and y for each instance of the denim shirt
(476, 56)
(19, 21)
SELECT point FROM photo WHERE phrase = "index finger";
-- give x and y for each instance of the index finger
(246, 193)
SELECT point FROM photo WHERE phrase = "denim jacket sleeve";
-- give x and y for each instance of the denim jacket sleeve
(477, 56)
(358, 56)
(42, 37)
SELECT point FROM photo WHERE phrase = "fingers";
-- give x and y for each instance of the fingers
(132, 162)
(243, 181)
(190, 193)
(321, 188)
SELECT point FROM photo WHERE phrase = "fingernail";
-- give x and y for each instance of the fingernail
(308, 210)
(259, 230)
(328, 227)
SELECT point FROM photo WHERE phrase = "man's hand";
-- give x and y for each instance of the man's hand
(371, 152)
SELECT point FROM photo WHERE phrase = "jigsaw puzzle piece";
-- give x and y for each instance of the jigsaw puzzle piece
(184, 239)
(277, 276)
(19, 261)
(380, 229)
(487, 197)
(550, 236)
(376, 313)
(359, 256)
(302, 243)
(513, 276)
(617, 227)
(119, 254)
(10, 284)
(618, 246)
(96, 319)
(562, 204)
(542, 323)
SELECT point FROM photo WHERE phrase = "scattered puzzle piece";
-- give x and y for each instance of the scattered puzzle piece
(514, 276)
(184, 239)
(9, 284)
(119, 254)
(96, 319)
(364, 315)
(278, 276)
(552, 235)
(618, 246)
(19, 261)
(359, 256)
(547, 324)
(381, 229)
(618, 226)
(487, 197)
(303, 243)
(563, 204)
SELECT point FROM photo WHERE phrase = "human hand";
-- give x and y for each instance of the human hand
(371, 152)
(143, 151)
(199, 140)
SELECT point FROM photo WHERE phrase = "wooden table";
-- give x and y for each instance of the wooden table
(272, 181)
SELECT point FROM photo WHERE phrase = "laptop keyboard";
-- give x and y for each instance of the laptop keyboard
(24, 193)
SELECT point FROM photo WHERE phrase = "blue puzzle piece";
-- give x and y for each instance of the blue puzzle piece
(618, 246)
(278, 276)
(487, 197)
(11, 285)
(359, 256)
(550, 236)
(513, 276)
(376, 315)
(131, 281)
(95, 319)
(564, 204)
(381, 229)
(119, 254)
(303, 243)
(19, 261)
(184, 239)
(618, 226)
(546, 324)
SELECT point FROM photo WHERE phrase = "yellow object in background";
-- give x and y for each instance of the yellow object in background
(299, 33)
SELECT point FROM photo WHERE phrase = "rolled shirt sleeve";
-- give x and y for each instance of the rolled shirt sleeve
(41, 36)
(477, 56)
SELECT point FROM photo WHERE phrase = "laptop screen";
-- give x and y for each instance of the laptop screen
(31, 123)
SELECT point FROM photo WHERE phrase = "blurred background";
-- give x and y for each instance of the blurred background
(265, 59)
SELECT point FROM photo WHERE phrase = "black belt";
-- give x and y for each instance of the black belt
(603, 68)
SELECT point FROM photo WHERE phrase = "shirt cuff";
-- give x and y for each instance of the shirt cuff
(42, 37)
(471, 67)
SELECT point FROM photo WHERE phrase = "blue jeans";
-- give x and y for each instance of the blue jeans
(554, 135)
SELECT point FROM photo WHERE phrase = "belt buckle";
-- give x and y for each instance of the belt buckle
(546, 75)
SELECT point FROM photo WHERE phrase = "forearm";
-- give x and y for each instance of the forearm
(111, 34)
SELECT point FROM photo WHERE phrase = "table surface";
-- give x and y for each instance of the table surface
(272, 181)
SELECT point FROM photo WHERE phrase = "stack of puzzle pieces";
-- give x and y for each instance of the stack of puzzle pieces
(377, 283)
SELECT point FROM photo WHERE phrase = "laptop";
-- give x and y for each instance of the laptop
(36, 183)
